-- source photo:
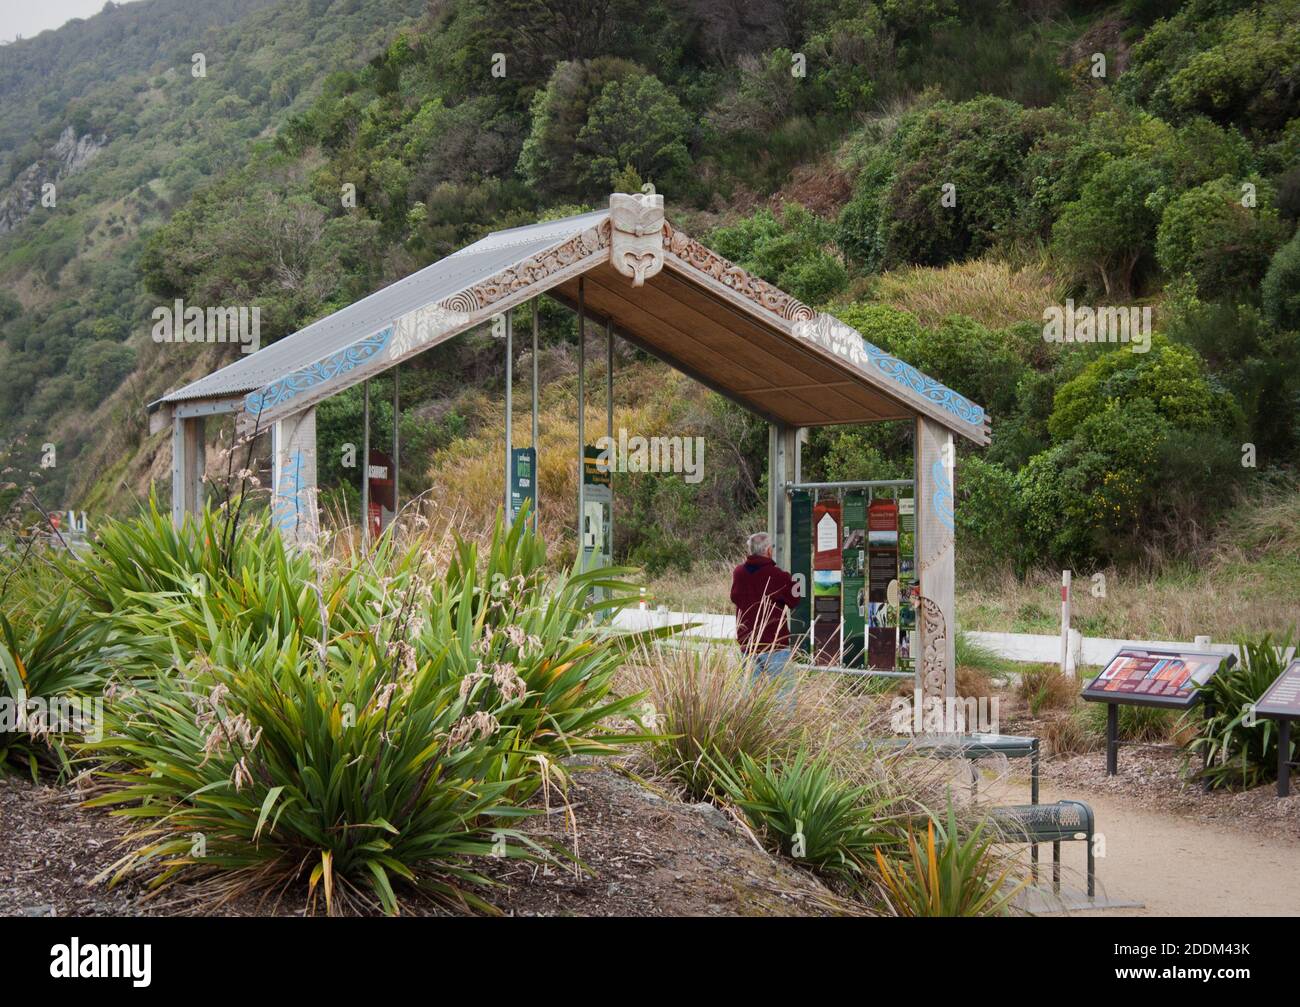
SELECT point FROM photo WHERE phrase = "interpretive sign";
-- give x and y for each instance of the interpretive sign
(1281, 702)
(1282, 698)
(1154, 678)
(1140, 677)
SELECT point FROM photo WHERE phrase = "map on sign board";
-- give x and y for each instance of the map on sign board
(1154, 678)
(1282, 698)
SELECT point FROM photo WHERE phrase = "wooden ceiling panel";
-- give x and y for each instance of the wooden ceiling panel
(728, 350)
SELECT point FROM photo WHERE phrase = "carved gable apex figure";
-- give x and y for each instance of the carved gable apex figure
(636, 235)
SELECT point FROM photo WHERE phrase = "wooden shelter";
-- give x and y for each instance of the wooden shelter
(629, 269)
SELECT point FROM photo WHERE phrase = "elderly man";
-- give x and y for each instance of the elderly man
(761, 592)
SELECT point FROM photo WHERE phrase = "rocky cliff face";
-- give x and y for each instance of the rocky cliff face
(69, 155)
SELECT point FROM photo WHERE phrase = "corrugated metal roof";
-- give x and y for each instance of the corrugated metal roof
(433, 283)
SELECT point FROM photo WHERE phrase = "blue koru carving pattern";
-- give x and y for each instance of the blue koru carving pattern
(846, 342)
(942, 500)
(286, 510)
(284, 389)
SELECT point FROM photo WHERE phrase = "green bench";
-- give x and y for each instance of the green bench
(1064, 821)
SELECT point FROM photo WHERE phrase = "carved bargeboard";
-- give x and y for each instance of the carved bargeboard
(531, 270)
(713, 265)
(636, 235)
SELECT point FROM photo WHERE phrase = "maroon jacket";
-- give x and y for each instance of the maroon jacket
(754, 580)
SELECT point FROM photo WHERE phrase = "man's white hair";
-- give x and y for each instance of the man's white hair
(759, 543)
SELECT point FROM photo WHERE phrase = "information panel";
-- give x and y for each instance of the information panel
(855, 579)
(1282, 698)
(523, 483)
(1155, 677)
(801, 566)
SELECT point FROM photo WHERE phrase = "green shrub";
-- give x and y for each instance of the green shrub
(1143, 725)
(49, 652)
(1239, 748)
(1234, 65)
(789, 251)
(809, 813)
(947, 874)
(977, 147)
(292, 768)
(1208, 234)
(988, 526)
(658, 555)
(1280, 289)
(1106, 231)
(349, 726)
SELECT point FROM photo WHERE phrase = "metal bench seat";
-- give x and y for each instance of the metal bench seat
(1064, 821)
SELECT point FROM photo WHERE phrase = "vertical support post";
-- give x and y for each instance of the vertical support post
(536, 325)
(397, 440)
(936, 671)
(775, 489)
(582, 405)
(609, 422)
(189, 461)
(1284, 757)
(1065, 624)
(782, 468)
(1112, 739)
(293, 477)
(365, 465)
(510, 408)
(537, 451)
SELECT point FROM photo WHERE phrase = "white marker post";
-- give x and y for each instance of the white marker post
(1066, 668)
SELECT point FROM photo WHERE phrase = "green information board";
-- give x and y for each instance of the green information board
(523, 483)
(801, 565)
(855, 578)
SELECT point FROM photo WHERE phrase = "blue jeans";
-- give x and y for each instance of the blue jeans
(770, 666)
(771, 663)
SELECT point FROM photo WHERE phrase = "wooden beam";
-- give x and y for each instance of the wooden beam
(189, 462)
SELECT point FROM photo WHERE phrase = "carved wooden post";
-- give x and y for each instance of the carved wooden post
(189, 461)
(293, 486)
(936, 666)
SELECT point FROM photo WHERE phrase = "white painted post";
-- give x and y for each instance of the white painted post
(1075, 652)
(1066, 669)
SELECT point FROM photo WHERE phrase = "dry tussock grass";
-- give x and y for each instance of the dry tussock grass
(470, 471)
(1244, 581)
(993, 293)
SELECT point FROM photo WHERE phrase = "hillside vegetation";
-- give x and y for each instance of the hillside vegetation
(936, 174)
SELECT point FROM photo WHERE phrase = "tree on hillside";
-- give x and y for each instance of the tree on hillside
(1210, 234)
(639, 123)
(1111, 225)
(559, 113)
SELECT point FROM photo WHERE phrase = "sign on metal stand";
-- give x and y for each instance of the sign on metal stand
(1281, 702)
(1139, 677)
(523, 483)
